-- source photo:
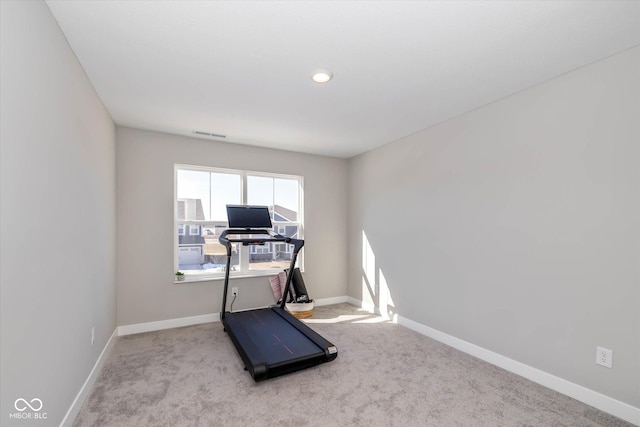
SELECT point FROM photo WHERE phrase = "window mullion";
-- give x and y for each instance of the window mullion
(244, 250)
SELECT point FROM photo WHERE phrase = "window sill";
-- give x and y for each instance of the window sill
(203, 278)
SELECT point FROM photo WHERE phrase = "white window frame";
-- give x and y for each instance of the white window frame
(244, 271)
(194, 230)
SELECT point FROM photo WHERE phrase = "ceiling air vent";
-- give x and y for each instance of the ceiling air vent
(209, 134)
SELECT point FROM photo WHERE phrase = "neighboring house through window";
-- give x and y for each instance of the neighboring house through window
(201, 196)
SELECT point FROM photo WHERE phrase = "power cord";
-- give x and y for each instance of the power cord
(234, 298)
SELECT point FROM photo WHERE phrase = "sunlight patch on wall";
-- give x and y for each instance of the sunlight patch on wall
(376, 294)
(387, 307)
(368, 272)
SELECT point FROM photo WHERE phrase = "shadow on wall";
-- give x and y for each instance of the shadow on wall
(376, 294)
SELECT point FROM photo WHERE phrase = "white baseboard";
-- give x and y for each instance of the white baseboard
(330, 301)
(138, 328)
(82, 395)
(597, 400)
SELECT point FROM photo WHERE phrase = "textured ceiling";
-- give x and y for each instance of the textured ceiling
(242, 69)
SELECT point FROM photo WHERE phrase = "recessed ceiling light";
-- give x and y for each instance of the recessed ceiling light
(321, 76)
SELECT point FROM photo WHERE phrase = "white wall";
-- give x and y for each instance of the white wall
(145, 188)
(516, 227)
(57, 216)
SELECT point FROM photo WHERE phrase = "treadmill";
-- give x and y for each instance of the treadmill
(270, 341)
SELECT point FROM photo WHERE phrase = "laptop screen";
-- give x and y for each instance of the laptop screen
(244, 216)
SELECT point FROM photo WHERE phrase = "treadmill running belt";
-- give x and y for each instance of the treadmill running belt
(277, 339)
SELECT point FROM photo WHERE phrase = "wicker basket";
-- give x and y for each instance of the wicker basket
(300, 310)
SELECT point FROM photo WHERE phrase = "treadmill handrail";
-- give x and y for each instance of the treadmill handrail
(273, 237)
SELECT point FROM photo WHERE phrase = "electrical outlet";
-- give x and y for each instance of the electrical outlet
(234, 291)
(604, 357)
(93, 335)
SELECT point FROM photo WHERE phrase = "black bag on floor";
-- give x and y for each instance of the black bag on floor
(298, 285)
(298, 290)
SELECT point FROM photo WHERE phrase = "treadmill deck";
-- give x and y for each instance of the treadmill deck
(272, 342)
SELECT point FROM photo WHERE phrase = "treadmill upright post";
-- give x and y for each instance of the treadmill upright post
(227, 244)
(297, 245)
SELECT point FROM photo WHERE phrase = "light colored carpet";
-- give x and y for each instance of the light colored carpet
(385, 375)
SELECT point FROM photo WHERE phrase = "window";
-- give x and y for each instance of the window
(261, 249)
(201, 196)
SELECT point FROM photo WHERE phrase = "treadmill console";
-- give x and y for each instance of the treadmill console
(249, 217)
